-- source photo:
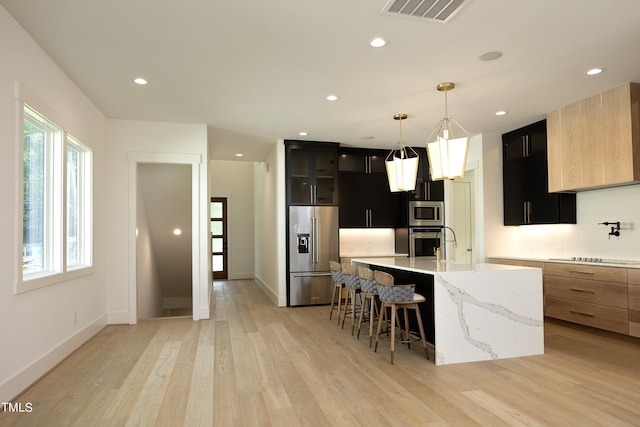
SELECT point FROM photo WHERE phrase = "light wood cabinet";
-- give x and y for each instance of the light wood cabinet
(634, 302)
(591, 272)
(595, 142)
(602, 297)
(595, 315)
(591, 295)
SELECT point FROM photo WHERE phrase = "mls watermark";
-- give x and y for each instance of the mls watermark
(19, 407)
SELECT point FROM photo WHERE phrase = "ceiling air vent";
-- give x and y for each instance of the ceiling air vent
(433, 10)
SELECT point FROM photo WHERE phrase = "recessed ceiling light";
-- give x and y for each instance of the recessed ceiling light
(490, 56)
(177, 232)
(303, 133)
(594, 71)
(501, 113)
(332, 98)
(378, 42)
(239, 154)
(140, 81)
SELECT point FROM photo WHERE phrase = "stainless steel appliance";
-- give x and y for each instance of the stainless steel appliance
(424, 241)
(423, 213)
(313, 242)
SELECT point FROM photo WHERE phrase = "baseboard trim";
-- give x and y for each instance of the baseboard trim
(276, 299)
(31, 373)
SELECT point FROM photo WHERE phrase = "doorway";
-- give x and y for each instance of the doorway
(219, 252)
(164, 240)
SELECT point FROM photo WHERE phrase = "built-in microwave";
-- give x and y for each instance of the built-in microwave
(426, 213)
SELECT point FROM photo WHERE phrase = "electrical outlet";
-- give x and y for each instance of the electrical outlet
(75, 317)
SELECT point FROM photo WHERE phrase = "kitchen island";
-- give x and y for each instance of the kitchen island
(476, 311)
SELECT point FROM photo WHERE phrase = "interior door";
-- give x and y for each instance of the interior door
(219, 253)
(463, 215)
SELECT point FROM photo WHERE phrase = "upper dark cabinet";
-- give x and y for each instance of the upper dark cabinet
(365, 198)
(312, 172)
(425, 188)
(525, 181)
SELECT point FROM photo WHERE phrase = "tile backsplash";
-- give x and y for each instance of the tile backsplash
(366, 241)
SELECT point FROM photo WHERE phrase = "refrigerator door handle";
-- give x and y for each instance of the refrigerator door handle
(314, 240)
(311, 274)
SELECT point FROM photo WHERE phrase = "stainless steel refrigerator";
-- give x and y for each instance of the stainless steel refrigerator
(313, 242)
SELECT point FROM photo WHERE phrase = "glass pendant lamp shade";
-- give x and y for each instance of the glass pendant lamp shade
(402, 164)
(448, 145)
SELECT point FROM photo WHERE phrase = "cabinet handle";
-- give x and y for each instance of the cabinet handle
(581, 313)
(527, 146)
(581, 272)
(527, 212)
(582, 290)
(427, 189)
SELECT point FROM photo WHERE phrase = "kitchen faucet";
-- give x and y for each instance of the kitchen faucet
(454, 241)
(615, 228)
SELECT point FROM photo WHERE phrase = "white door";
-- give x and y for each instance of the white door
(463, 217)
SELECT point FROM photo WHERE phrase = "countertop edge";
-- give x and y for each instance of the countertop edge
(560, 261)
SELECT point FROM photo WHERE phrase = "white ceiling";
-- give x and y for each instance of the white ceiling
(259, 71)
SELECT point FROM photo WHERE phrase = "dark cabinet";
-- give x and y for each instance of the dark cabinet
(525, 181)
(312, 172)
(425, 188)
(365, 198)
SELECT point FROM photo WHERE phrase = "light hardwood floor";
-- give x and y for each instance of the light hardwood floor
(255, 364)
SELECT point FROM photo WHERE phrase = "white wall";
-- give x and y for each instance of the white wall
(270, 231)
(234, 180)
(37, 327)
(128, 143)
(149, 291)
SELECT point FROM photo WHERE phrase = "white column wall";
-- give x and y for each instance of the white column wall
(129, 142)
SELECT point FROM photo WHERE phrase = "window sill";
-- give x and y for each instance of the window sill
(53, 279)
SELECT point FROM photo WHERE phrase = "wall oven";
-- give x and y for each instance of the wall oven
(424, 241)
(423, 213)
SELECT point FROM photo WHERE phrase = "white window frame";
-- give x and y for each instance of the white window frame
(84, 204)
(55, 269)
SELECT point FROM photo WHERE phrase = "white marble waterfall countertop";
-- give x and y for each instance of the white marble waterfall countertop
(482, 311)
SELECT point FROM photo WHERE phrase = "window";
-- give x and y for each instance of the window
(78, 204)
(56, 212)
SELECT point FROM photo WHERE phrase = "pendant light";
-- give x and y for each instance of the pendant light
(448, 145)
(402, 164)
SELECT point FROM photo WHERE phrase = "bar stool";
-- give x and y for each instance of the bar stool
(352, 284)
(395, 297)
(338, 284)
(369, 293)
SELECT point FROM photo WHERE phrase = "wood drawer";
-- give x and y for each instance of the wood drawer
(607, 274)
(634, 276)
(598, 316)
(518, 262)
(634, 323)
(592, 291)
(634, 297)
